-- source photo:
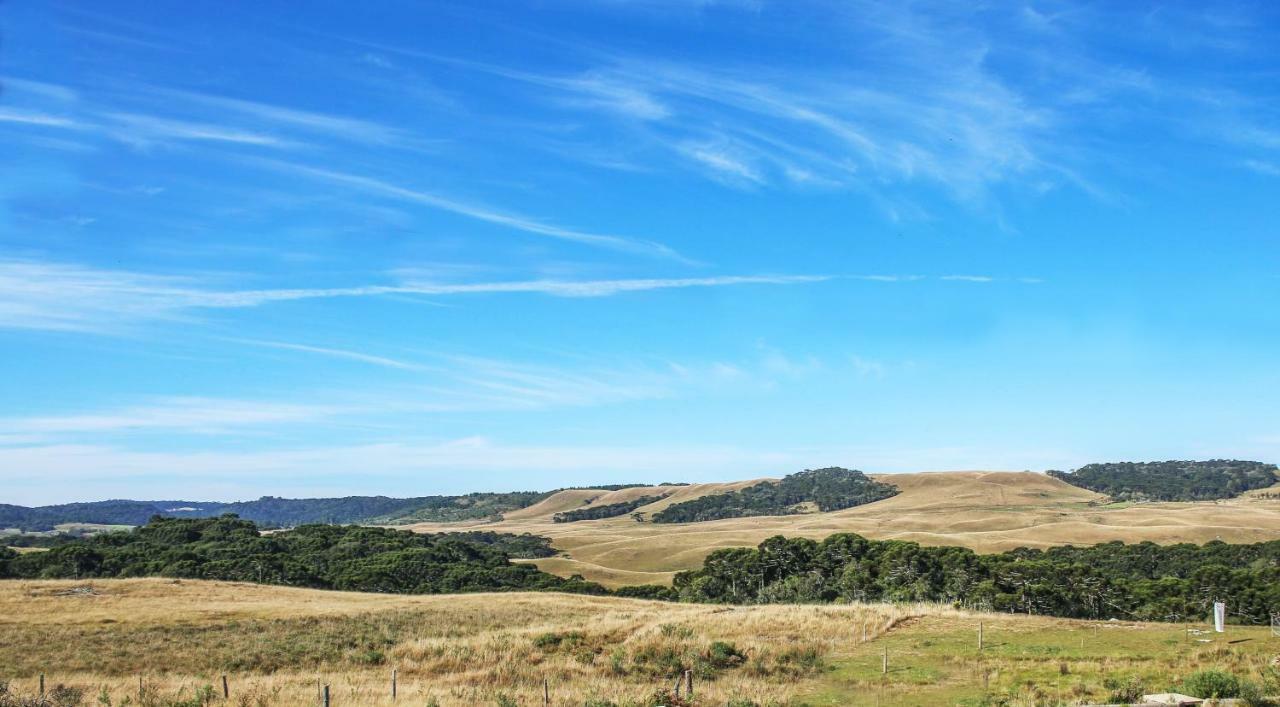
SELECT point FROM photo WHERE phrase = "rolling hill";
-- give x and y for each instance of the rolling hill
(988, 511)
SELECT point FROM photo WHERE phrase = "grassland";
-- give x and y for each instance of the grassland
(986, 511)
(277, 644)
(1027, 660)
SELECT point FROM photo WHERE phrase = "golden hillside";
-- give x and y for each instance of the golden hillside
(988, 511)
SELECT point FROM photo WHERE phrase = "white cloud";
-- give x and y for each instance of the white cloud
(382, 361)
(67, 297)
(1270, 169)
(189, 414)
(481, 213)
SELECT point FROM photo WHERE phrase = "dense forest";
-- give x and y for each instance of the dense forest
(318, 556)
(829, 489)
(608, 510)
(1172, 480)
(1112, 580)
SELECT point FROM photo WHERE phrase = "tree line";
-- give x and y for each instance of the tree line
(829, 489)
(1172, 480)
(608, 510)
(352, 558)
(1143, 581)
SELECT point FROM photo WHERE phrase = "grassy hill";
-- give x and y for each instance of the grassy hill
(983, 510)
(276, 644)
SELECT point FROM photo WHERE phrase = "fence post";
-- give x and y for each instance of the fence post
(139, 688)
(546, 692)
(979, 635)
(688, 682)
(884, 662)
(326, 696)
(226, 692)
(394, 673)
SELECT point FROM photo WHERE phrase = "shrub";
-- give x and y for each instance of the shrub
(721, 655)
(1211, 683)
(552, 640)
(1125, 690)
(1253, 695)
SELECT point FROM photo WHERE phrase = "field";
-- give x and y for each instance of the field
(986, 511)
(278, 644)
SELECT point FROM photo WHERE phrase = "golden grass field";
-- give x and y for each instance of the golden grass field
(988, 511)
(278, 644)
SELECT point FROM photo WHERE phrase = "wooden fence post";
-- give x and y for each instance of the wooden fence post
(546, 692)
(688, 682)
(226, 692)
(884, 661)
(326, 696)
(979, 635)
(42, 684)
(394, 674)
(139, 688)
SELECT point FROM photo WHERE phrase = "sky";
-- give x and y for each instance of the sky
(410, 248)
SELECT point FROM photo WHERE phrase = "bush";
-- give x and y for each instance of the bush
(721, 655)
(552, 641)
(1254, 695)
(1125, 690)
(1208, 684)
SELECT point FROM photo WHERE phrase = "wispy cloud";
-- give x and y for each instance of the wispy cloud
(144, 130)
(371, 359)
(59, 296)
(336, 126)
(188, 414)
(515, 221)
(1270, 169)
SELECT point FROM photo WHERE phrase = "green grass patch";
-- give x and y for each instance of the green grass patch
(1030, 660)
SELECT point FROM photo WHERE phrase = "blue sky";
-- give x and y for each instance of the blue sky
(408, 248)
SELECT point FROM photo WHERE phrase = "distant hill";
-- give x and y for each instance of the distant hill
(829, 489)
(1172, 480)
(272, 511)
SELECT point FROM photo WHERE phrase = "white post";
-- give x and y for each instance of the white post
(1219, 617)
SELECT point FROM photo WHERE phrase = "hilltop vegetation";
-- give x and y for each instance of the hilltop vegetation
(1172, 480)
(1111, 580)
(318, 556)
(829, 489)
(608, 510)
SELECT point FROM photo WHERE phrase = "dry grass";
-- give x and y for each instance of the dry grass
(986, 511)
(460, 650)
